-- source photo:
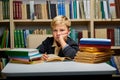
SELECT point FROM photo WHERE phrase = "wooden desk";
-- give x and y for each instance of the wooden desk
(68, 68)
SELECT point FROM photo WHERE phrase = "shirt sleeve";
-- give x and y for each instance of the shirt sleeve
(65, 46)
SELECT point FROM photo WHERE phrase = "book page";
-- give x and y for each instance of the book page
(53, 57)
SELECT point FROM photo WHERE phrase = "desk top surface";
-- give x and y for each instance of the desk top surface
(57, 68)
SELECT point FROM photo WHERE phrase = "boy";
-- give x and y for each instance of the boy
(60, 44)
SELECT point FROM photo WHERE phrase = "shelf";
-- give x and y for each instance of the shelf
(106, 20)
(2, 21)
(48, 20)
(115, 47)
(37, 20)
(3, 49)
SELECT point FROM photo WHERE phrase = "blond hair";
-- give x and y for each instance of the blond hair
(60, 20)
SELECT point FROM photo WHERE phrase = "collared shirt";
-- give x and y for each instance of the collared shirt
(57, 48)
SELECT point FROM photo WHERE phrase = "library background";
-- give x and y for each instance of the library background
(90, 19)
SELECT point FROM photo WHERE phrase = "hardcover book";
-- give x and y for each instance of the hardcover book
(21, 52)
(24, 55)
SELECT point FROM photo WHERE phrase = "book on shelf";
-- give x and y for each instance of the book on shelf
(1, 9)
(5, 9)
(112, 8)
(73, 9)
(61, 7)
(109, 33)
(31, 3)
(117, 7)
(5, 38)
(3, 41)
(17, 10)
(21, 36)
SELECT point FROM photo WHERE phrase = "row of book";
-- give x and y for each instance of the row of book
(109, 33)
(74, 9)
(20, 36)
(5, 39)
(106, 9)
(4, 9)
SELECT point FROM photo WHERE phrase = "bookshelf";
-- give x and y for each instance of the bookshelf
(94, 20)
(90, 23)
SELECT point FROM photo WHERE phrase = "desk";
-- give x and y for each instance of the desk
(68, 68)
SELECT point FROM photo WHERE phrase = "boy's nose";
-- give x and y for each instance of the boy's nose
(58, 32)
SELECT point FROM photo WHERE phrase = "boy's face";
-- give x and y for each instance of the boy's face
(59, 31)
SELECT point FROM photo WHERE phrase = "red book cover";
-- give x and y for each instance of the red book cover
(17, 9)
(20, 10)
(14, 10)
(117, 6)
(110, 35)
(94, 45)
(79, 36)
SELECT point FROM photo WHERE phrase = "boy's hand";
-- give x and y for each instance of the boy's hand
(63, 36)
(44, 57)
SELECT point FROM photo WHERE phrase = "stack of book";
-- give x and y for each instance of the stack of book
(23, 55)
(94, 50)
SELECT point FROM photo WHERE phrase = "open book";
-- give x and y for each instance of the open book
(53, 57)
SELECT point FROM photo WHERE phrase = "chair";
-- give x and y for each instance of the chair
(34, 40)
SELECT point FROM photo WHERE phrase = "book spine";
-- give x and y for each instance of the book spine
(32, 10)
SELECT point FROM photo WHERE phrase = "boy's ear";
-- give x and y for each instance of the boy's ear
(69, 32)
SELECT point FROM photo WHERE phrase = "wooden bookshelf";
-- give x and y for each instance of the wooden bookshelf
(82, 23)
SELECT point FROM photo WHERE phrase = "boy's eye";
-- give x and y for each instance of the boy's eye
(59, 30)
(54, 30)
(62, 30)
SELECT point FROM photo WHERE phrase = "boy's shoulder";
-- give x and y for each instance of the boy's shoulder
(70, 41)
(49, 39)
